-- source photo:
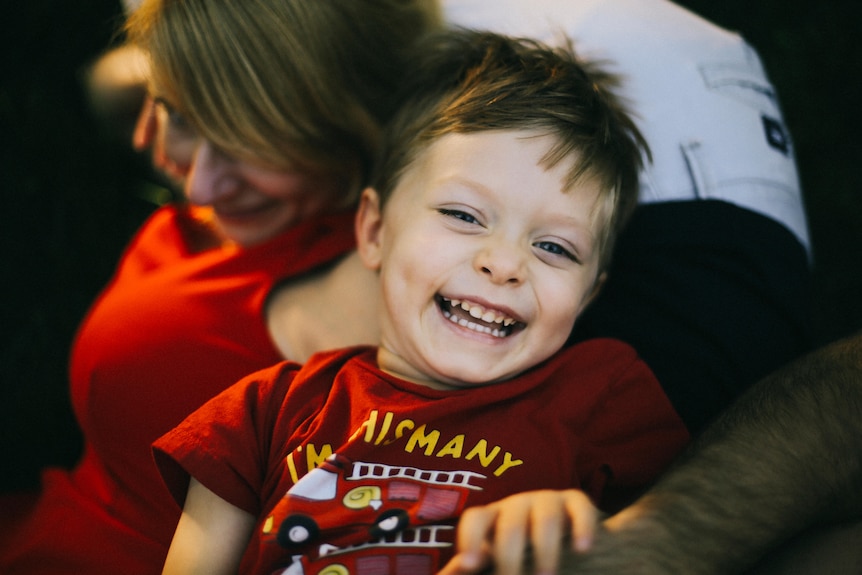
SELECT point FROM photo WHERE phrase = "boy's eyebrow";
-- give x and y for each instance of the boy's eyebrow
(562, 219)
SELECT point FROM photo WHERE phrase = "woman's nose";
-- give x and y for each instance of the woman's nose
(212, 175)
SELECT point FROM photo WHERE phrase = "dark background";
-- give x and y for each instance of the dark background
(73, 192)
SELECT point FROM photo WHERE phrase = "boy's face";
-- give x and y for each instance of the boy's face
(485, 261)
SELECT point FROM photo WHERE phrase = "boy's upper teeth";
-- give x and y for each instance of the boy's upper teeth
(479, 312)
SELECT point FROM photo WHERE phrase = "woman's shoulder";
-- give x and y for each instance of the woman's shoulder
(186, 229)
(164, 238)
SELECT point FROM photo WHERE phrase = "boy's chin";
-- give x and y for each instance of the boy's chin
(475, 375)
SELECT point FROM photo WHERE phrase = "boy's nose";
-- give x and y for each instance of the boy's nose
(501, 264)
(212, 175)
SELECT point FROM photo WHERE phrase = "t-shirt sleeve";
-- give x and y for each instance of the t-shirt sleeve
(713, 297)
(225, 443)
(634, 434)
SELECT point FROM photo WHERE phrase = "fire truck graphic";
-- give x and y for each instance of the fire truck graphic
(409, 552)
(346, 503)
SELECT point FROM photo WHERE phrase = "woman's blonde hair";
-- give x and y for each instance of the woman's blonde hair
(286, 83)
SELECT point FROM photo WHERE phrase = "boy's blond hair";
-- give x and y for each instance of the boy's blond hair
(285, 83)
(469, 81)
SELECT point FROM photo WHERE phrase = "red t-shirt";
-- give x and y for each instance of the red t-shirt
(592, 417)
(172, 329)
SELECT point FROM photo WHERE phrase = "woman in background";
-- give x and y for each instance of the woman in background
(281, 103)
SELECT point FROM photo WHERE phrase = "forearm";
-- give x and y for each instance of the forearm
(211, 535)
(785, 457)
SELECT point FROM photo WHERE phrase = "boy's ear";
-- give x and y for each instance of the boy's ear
(369, 229)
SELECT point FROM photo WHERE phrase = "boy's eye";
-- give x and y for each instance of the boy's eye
(463, 216)
(556, 249)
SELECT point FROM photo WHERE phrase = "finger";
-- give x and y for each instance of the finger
(548, 523)
(462, 564)
(511, 535)
(584, 517)
(475, 530)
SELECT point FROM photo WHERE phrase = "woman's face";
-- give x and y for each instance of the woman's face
(251, 202)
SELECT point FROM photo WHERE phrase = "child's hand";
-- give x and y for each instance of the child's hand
(499, 534)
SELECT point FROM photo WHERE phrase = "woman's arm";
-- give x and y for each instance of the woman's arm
(211, 535)
(784, 458)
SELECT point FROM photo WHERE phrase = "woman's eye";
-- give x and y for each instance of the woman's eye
(176, 121)
(179, 121)
(463, 216)
(556, 249)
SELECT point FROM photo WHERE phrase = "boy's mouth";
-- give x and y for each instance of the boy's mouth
(476, 317)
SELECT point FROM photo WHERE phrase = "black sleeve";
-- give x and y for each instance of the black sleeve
(712, 296)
